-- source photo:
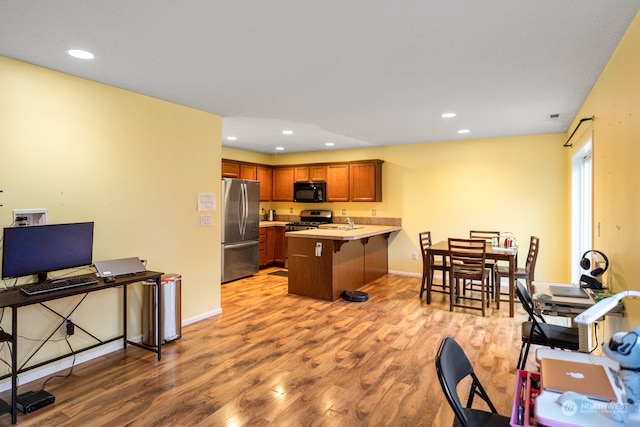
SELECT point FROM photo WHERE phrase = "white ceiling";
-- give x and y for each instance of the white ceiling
(358, 73)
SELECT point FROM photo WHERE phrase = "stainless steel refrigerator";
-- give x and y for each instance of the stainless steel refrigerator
(240, 228)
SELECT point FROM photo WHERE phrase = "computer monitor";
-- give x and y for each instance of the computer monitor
(40, 249)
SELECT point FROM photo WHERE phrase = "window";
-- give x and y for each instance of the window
(581, 208)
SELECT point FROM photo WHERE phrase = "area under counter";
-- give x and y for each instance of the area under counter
(324, 262)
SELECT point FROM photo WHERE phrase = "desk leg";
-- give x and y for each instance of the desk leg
(124, 314)
(160, 328)
(512, 284)
(14, 365)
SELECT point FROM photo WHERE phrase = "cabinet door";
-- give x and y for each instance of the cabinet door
(279, 249)
(365, 181)
(283, 184)
(264, 175)
(338, 183)
(262, 248)
(270, 245)
(301, 174)
(230, 169)
(248, 172)
(317, 173)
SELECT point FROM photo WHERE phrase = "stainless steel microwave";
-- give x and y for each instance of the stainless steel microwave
(310, 192)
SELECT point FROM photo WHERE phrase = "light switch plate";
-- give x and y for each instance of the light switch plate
(205, 220)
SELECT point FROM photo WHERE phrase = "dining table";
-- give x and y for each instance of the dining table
(495, 253)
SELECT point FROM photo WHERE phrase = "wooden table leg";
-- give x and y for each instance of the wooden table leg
(512, 284)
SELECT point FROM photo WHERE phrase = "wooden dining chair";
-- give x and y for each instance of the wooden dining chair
(436, 265)
(487, 236)
(467, 264)
(526, 273)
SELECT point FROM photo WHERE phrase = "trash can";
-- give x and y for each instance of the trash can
(170, 286)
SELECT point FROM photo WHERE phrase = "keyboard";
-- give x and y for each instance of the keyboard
(57, 285)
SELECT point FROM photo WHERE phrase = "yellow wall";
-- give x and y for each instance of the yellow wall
(131, 163)
(508, 184)
(614, 103)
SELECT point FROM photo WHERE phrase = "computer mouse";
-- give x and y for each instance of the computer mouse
(571, 396)
(544, 296)
(109, 279)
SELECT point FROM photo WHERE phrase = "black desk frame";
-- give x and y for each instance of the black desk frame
(15, 299)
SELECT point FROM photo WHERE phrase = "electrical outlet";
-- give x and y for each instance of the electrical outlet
(205, 220)
(373, 212)
(344, 211)
(68, 327)
(414, 256)
(290, 210)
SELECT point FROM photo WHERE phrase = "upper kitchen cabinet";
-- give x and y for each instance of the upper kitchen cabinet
(248, 171)
(338, 182)
(265, 176)
(301, 174)
(365, 181)
(230, 169)
(310, 173)
(283, 183)
(318, 173)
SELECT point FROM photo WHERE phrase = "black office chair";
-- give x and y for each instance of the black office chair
(452, 366)
(537, 331)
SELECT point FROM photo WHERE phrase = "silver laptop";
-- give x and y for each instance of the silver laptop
(119, 267)
(568, 291)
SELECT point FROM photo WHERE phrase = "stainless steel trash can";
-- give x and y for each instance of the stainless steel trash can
(170, 287)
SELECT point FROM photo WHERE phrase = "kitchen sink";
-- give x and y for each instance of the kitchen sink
(339, 227)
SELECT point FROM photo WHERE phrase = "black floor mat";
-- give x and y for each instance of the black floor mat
(283, 273)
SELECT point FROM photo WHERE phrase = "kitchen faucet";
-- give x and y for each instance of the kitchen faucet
(351, 223)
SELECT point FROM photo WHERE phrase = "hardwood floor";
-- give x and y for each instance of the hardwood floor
(279, 360)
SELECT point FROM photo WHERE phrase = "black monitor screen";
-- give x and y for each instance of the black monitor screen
(42, 248)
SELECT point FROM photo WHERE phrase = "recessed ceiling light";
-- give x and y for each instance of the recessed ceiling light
(463, 131)
(80, 54)
(279, 148)
(329, 144)
(448, 115)
(287, 132)
(232, 138)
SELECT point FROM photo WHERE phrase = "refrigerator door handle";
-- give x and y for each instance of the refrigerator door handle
(240, 245)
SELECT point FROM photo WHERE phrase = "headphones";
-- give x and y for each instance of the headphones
(585, 263)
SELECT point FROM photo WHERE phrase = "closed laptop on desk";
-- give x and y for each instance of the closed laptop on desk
(588, 379)
(119, 267)
(568, 291)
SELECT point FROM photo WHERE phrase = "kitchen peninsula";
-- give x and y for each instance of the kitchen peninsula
(325, 261)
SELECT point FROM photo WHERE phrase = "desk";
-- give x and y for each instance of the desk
(549, 412)
(14, 299)
(496, 254)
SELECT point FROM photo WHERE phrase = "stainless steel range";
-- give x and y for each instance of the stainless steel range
(310, 219)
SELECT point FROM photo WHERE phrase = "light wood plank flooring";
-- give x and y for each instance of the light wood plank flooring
(271, 359)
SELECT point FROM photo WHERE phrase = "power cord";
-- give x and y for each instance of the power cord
(73, 363)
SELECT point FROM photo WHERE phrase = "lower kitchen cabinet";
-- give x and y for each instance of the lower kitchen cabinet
(271, 246)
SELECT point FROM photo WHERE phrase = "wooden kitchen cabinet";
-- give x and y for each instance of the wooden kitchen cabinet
(365, 181)
(279, 245)
(282, 184)
(301, 174)
(230, 169)
(265, 176)
(318, 173)
(248, 172)
(262, 247)
(338, 182)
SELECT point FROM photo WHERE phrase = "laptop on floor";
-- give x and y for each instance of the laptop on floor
(587, 379)
(119, 267)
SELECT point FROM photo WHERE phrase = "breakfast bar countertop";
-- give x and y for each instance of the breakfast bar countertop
(341, 232)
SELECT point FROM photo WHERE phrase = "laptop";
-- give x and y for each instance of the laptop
(119, 267)
(568, 291)
(585, 378)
